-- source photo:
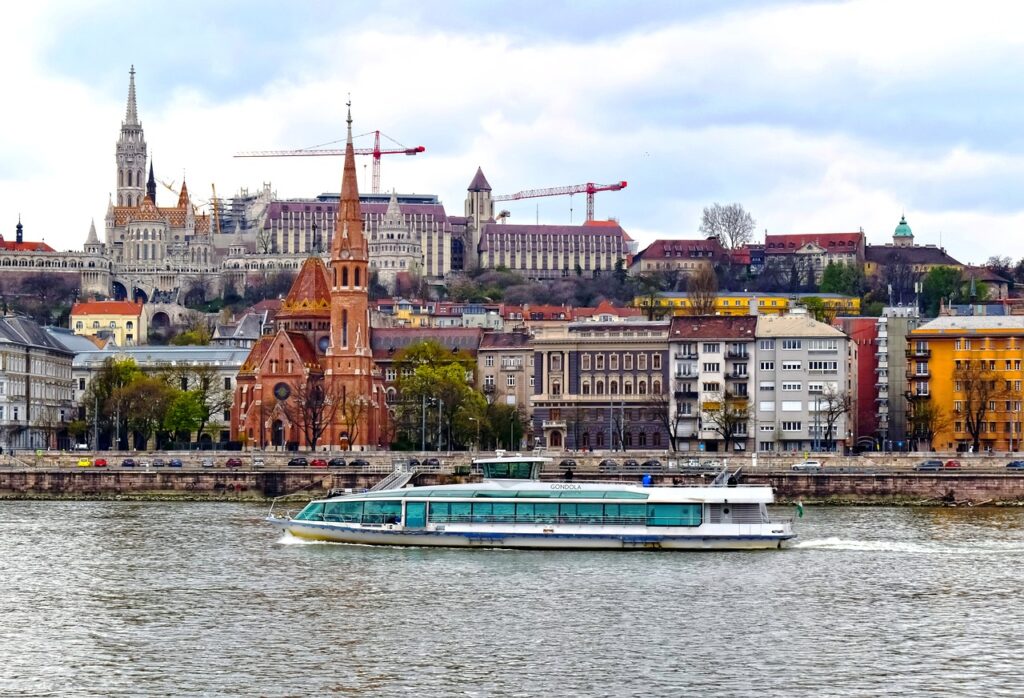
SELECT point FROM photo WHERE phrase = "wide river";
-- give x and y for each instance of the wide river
(162, 599)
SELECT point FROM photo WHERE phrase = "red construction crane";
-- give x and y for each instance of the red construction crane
(589, 188)
(316, 150)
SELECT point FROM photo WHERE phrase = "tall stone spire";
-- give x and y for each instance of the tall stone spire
(348, 233)
(131, 115)
(92, 239)
(130, 153)
(151, 184)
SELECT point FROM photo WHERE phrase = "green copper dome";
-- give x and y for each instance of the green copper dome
(903, 230)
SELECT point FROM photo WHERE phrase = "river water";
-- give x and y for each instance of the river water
(166, 599)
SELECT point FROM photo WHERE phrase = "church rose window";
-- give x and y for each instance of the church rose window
(282, 391)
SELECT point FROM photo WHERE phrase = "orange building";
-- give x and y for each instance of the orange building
(970, 369)
(314, 380)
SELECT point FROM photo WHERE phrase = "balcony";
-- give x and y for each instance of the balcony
(736, 354)
(685, 355)
(735, 375)
(681, 375)
(553, 424)
(918, 375)
(918, 353)
(517, 366)
(684, 394)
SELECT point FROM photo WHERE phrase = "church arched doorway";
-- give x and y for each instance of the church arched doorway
(277, 433)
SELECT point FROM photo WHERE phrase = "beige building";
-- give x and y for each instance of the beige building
(122, 321)
(505, 367)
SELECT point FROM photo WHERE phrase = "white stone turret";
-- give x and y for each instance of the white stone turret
(393, 250)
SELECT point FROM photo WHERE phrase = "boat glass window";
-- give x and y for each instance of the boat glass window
(314, 511)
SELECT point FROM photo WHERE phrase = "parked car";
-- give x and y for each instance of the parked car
(233, 462)
(81, 447)
(414, 461)
(807, 466)
(318, 463)
(257, 462)
(608, 465)
(952, 465)
(128, 463)
(207, 462)
(1015, 465)
(362, 463)
(174, 463)
(336, 463)
(299, 462)
(429, 461)
(84, 462)
(567, 463)
(630, 464)
(159, 463)
(652, 464)
(100, 463)
(929, 465)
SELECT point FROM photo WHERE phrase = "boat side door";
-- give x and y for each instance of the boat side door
(415, 514)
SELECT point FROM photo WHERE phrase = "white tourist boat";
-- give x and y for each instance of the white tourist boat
(512, 508)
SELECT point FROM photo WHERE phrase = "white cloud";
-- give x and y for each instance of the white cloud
(796, 111)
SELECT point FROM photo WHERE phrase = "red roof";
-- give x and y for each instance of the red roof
(606, 308)
(704, 248)
(310, 292)
(831, 242)
(713, 327)
(107, 308)
(24, 246)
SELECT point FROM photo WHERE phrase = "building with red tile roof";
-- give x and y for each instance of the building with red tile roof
(810, 253)
(124, 322)
(686, 256)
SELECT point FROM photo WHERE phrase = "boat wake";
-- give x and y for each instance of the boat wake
(982, 547)
(867, 546)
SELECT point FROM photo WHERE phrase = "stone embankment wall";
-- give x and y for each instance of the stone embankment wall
(842, 480)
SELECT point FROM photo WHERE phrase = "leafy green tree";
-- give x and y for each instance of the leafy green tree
(844, 279)
(941, 284)
(145, 401)
(434, 384)
(183, 416)
(103, 401)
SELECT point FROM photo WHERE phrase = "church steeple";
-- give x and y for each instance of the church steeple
(349, 241)
(130, 153)
(151, 185)
(350, 270)
(131, 114)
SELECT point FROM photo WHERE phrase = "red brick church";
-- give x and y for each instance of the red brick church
(313, 381)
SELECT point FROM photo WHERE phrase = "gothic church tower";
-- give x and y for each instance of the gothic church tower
(349, 358)
(131, 153)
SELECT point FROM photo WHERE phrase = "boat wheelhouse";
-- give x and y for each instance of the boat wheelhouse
(512, 508)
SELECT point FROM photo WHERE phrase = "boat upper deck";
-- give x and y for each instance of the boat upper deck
(530, 489)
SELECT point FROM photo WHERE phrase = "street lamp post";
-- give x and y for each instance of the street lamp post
(440, 408)
(423, 426)
(476, 444)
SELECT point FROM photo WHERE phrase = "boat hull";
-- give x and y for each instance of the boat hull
(550, 539)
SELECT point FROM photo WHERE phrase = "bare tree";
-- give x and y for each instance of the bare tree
(670, 419)
(264, 240)
(900, 279)
(834, 404)
(702, 291)
(927, 418)
(727, 415)
(313, 406)
(731, 224)
(978, 385)
(351, 409)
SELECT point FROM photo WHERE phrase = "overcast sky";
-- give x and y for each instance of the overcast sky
(818, 117)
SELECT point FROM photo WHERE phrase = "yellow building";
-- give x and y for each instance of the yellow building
(122, 321)
(740, 303)
(969, 370)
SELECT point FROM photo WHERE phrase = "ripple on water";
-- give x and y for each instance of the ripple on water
(123, 599)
